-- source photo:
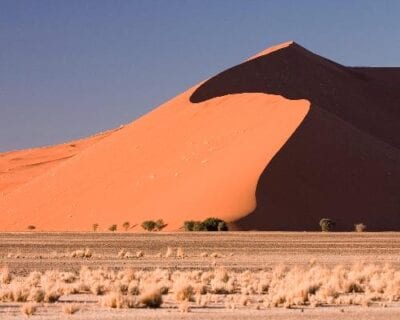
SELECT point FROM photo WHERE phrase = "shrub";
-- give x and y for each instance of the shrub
(213, 224)
(31, 227)
(151, 297)
(95, 226)
(118, 300)
(149, 225)
(210, 224)
(222, 226)
(193, 225)
(126, 225)
(70, 308)
(183, 290)
(28, 309)
(160, 224)
(326, 224)
(360, 227)
(113, 227)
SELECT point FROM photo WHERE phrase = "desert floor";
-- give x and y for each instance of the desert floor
(236, 251)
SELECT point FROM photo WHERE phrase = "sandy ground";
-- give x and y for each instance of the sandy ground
(251, 250)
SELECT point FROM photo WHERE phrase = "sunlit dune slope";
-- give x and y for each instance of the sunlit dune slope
(18, 167)
(181, 161)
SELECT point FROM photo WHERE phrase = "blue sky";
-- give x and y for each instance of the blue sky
(73, 68)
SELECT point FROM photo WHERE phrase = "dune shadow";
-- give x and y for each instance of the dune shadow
(343, 161)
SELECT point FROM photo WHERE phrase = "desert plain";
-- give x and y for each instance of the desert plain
(202, 275)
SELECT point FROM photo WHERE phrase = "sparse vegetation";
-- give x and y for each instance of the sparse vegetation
(70, 308)
(222, 226)
(209, 224)
(151, 225)
(28, 309)
(360, 227)
(326, 224)
(151, 297)
(81, 253)
(160, 224)
(126, 225)
(282, 287)
(193, 225)
(112, 228)
(314, 283)
(95, 226)
(31, 227)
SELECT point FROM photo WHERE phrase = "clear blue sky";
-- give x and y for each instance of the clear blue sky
(73, 68)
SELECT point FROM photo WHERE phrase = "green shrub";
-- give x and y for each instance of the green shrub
(193, 225)
(149, 225)
(31, 227)
(326, 224)
(113, 227)
(211, 224)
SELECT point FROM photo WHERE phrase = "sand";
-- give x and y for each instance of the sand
(275, 143)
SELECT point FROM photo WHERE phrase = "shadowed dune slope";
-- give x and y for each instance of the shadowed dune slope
(343, 161)
(274, 143)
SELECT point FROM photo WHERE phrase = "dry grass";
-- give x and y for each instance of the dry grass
(70, 308)
(81, 253)
(180, 253)
(151, 297)
(309, 285)
(314, 285)
(169, 252)
(360, 227)
(28, 309)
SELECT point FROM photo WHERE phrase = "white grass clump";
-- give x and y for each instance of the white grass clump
(28, 309)
(180, 253)
(169, 252)
(70, 308)
(81, 253)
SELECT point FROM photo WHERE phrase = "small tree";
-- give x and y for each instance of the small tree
(160, 224)
(149, 225)
(95, 226)
(31, 227)
(126, 225)
(326, 224)
(360, 227)
(211, 224)
(113, 227)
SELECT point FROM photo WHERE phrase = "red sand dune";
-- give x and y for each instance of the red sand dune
(274, 143)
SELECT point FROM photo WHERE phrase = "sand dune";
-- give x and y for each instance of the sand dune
(19, 167)
(276, 142)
